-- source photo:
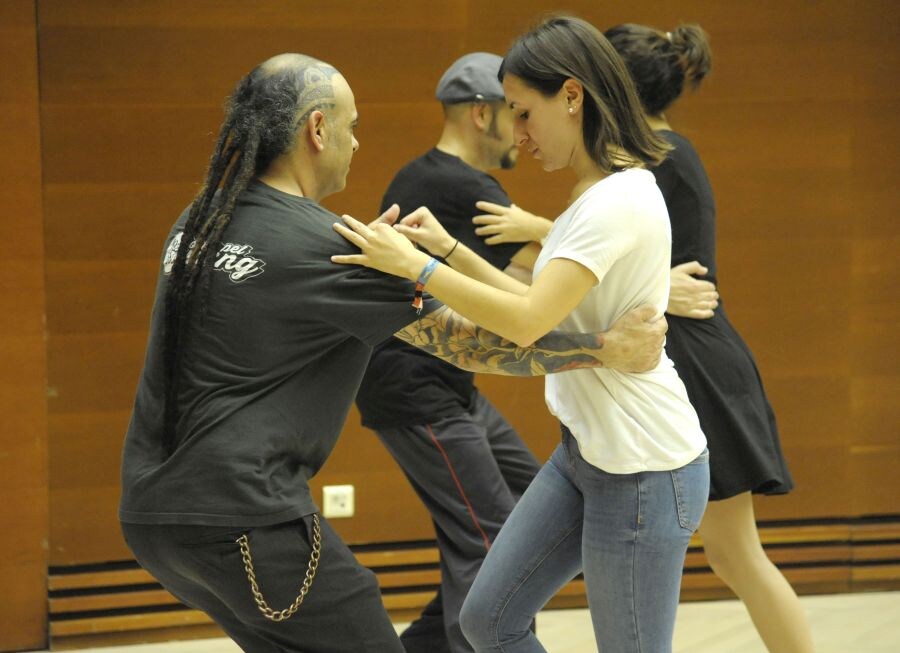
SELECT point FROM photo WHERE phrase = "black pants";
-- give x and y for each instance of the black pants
(469, 470)
(202, 567)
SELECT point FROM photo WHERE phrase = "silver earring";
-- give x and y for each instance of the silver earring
(571, 109)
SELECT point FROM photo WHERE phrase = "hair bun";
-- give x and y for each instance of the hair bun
(692, 45)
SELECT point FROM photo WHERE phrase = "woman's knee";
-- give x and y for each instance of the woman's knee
(730, 539)
(475, 619)
(736, 560)
(720, 560)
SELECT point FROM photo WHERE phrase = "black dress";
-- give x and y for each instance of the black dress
(715, 364)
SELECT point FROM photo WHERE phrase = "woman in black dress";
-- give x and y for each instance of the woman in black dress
(715, 364)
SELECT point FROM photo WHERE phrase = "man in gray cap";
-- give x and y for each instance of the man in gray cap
(466, 463)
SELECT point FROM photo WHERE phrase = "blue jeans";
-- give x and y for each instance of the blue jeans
(628, 533)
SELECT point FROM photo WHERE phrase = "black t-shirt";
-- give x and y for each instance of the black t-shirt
(404, 385)
(267, 375)
(692, 210)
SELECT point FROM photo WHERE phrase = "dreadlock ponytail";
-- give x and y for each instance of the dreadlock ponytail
(260, 125)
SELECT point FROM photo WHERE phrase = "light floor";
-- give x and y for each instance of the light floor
(841, 623)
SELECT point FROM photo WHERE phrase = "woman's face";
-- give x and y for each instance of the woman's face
(543, 125)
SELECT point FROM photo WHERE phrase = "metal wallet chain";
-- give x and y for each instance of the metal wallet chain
(287, 613)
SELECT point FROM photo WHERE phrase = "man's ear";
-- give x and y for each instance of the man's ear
(480, 117)
(315, 129)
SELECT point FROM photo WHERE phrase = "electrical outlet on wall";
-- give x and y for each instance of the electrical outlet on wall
(337, 501)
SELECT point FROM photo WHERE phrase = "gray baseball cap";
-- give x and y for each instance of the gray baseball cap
(471, 78)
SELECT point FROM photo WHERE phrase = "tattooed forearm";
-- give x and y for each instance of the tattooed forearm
(455, 339)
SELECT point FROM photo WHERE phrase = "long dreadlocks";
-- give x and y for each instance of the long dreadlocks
(261, 121)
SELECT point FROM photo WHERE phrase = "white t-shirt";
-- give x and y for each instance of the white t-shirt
(624, 423)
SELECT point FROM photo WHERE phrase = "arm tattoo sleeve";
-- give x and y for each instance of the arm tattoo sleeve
(451, 337)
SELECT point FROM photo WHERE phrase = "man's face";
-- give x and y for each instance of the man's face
(500, 136)
(342, 143)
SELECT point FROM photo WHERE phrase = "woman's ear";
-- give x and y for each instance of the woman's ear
(574, 95)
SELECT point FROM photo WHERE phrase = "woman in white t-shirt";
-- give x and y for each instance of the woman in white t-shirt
(621, 495)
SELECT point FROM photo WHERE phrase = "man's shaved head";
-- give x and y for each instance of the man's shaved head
(276, 97)
(315, 89)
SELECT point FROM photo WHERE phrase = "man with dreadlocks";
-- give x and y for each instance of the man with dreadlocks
(257, 345)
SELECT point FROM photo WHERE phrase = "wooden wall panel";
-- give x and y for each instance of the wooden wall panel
(791, 125)
(875, 274)
(23, 404)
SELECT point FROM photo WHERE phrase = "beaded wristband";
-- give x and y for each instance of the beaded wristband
(424, 276)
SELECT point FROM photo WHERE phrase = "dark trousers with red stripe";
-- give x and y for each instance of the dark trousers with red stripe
(469, 470)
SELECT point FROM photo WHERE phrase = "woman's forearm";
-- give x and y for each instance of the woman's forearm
(469, 263)
(521, 318)
(505, 313)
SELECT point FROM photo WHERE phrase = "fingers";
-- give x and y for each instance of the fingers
(488, 230)
(704, 297)
(708, 301)
(646, 313)
(486, 219)
(662, 324)
(691, 285)
(416, 217)
(410, 232)
(420, 238)
(691, 267)
(351, 235)
(389, 217)
(495, 240)
(701, 286)
(490, 207)
(356, 225)
(350, 259)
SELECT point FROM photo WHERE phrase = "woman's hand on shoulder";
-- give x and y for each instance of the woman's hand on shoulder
(424, 229)
(381, 247)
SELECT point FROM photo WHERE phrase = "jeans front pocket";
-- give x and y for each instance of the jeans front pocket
(691, 484)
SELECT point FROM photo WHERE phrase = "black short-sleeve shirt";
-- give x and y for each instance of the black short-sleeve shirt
(268, 373)
(404, 385)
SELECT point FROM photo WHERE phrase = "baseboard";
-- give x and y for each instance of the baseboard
(117, 602)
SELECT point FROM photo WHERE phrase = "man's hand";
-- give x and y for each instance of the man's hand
(635, 341)
(690, 297)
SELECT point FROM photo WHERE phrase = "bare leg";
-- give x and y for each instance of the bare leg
(736, 555)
